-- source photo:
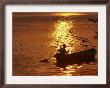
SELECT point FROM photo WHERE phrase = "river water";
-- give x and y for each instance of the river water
(38, 36)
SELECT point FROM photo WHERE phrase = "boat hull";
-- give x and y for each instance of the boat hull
(85, 56)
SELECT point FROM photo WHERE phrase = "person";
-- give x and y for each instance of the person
(62, 50)
(60, 56)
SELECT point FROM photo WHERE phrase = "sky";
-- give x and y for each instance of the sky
(52, 13)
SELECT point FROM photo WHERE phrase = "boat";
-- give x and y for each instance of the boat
(80, 57)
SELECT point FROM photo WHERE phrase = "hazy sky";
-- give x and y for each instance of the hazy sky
(52, 13)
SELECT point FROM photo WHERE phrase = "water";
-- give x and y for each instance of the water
(39, 37)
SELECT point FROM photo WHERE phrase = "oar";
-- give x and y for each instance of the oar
(46, 60)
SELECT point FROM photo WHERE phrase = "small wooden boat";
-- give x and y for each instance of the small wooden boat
(85, 56)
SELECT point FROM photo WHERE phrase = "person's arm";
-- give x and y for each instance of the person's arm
(67, 51)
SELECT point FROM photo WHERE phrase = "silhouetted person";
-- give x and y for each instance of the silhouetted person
(62, 50)
(60, 55)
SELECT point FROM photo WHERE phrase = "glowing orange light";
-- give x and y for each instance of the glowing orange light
(61, 35)
(68, 14)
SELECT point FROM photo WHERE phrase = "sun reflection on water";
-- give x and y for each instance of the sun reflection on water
(70, 70)
(61, 35)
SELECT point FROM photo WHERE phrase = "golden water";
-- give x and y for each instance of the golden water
(40, 37)
(61, 35)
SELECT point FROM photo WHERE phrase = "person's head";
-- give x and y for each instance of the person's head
(64, 45)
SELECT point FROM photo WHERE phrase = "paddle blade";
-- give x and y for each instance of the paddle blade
(44, 60)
